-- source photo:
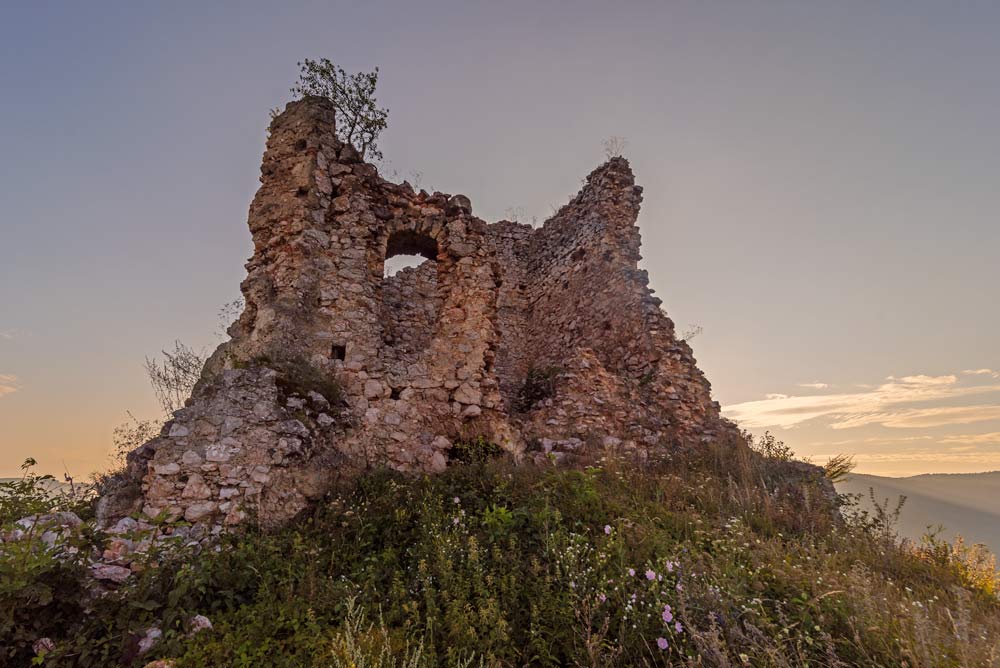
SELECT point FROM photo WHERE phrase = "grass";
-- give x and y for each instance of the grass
(723, 559)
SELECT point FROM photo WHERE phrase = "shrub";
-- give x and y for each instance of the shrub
(769, 447)
(41, 566)
(477, 450)
(539, 385)
(174, 377)
(297, 376)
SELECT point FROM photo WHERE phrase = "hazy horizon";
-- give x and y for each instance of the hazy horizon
(821, 191)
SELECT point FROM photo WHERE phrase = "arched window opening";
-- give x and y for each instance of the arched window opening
(408, 249)
(410, 299)
(397, 263)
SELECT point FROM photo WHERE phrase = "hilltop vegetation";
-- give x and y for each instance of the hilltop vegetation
(715, 560)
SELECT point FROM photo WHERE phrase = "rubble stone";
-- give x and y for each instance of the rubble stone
(110, 572)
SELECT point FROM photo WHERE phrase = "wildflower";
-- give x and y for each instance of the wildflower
(670, 567)
(601, 597)
(631, 572)
(668, 615)
(650, 574)
(454, 520)
(457, 500)
(607, 529)
(662, 643)
(680, 587)
(678, 627)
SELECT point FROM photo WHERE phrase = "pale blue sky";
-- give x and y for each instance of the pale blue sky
(822, 189)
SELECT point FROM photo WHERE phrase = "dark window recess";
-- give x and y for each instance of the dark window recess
(338, 352)
(394, 394)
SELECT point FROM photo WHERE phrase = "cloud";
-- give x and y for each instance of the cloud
(982, 372)
(815, 385)
(923, 418)
(883, 404)
(11, 334)
(974, 439)
(971, 457)
(8, 383)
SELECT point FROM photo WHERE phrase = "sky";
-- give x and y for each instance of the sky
(822, 187)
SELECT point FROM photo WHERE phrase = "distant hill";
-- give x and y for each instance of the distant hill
(54, 486)
(965, 503)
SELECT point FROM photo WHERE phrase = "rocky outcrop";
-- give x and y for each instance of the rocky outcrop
(539, 339)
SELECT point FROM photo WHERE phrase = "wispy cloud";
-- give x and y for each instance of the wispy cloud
(885, 405)
(8, 383)
(11, 334)
(982, 372)
(992, 438)
(973, 457)
(815, 385)
(917, 418)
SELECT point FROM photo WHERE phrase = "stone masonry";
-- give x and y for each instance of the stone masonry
(546, 341)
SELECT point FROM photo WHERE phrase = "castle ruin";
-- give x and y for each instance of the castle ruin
(545, 341)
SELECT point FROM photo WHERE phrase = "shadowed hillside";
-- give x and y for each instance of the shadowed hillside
(964, 503)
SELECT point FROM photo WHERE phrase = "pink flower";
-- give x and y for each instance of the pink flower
(662, 643)
(650, 575)
(601, 597)
(631, 572)
(457, 500)
(607, 529)
(670, 567)
(680, 587)
(668, 615)
(678, 627)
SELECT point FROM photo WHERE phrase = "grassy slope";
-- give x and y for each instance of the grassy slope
(497, 565)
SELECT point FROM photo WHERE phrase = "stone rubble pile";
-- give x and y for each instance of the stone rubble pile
(127, 547)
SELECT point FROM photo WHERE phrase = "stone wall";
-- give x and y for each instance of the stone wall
(332, 367)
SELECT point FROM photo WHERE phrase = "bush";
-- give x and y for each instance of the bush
(769, 447)
(41, 565)
(478, 450)
(539, 385)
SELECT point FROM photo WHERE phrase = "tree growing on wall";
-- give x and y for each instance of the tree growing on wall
(359, 119)
(614, 147)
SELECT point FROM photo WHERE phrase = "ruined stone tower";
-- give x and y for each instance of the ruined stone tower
(544, 340)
